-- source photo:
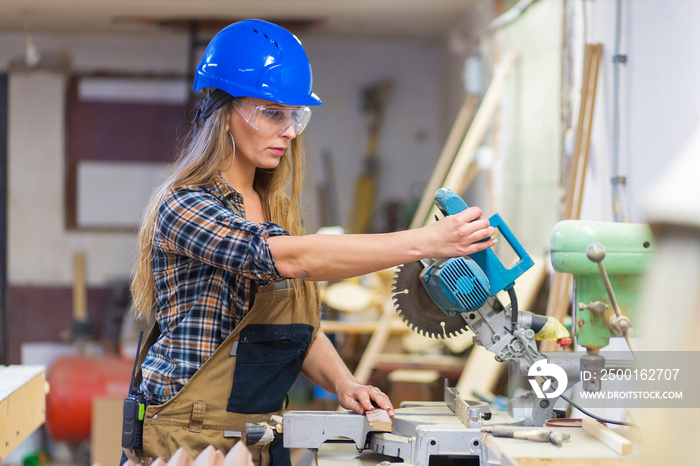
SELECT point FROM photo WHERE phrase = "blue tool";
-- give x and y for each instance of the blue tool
(464, 284)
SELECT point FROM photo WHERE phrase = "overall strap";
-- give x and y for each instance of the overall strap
(151, 339)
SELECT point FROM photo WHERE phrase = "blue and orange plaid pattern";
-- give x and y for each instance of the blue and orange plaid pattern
(207, 262)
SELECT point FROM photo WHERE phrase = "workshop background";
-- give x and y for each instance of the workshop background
(92, 94)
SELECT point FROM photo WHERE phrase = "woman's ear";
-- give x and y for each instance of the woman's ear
(228, 121)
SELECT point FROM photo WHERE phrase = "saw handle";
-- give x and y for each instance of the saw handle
(524, 259)
(449, 202)
(500, 277)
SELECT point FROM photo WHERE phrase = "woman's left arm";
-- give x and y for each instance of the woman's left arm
(324, 367)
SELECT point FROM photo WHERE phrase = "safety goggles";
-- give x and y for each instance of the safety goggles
(273, 120)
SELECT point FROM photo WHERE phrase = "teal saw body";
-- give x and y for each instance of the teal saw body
(628, 247)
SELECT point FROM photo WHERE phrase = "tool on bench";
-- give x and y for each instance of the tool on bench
(536, 435)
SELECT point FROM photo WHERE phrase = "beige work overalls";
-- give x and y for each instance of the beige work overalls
(246, 380)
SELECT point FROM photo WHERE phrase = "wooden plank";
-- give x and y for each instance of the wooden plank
(615, 441)
(22, 404)
(445, 160)
(421, 376)
(396, 325)
(580, 450)
(578, 462)
(376, 344)
(558, 301)
(375, 100)
(379, 420)
(455, 178)
(582, 141)
(80, 313)
(435, 360)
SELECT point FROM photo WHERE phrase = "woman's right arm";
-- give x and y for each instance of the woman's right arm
(335, 257)
(195, 224)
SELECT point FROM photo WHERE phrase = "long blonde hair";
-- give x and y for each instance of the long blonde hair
(201, 155)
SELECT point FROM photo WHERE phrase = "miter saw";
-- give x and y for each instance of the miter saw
(443, 298)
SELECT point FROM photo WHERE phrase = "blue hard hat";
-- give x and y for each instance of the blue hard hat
(256, 58)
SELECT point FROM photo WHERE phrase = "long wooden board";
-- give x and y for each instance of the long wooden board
(615, 441)
(396, 325)
(560, 289)
(456, 178)
(454, 140)
(376, 343)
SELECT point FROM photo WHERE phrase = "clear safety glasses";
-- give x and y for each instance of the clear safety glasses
(273, 120)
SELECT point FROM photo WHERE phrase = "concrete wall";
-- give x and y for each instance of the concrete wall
(659, 98)
(409, 144)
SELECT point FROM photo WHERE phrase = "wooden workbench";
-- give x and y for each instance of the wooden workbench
(22, 404)
(582, 449)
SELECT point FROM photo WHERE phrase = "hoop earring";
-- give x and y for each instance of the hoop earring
(233, 153)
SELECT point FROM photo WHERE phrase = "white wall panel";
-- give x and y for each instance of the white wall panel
(40, 250)
(659, 96)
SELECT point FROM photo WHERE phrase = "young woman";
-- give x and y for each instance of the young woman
(225, 267)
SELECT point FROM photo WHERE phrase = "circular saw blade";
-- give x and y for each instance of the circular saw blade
(417, 309)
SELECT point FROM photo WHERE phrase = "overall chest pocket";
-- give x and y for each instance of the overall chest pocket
(268, 361)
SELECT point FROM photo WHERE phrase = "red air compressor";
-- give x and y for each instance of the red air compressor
(73, 382)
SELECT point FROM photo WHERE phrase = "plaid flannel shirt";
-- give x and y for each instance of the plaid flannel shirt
(207, 261)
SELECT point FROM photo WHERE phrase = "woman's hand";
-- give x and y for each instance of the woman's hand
(459, 235)
(362, 398)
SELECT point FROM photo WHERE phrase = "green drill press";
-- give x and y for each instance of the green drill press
(623, 249)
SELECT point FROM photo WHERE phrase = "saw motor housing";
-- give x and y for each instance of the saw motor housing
(463, 284)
